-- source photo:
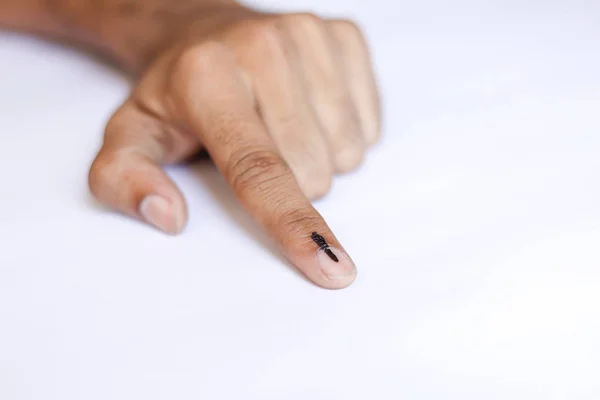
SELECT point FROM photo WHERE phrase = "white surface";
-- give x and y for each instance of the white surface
(475, 226)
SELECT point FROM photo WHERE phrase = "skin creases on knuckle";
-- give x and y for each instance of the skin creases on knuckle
(299, 223)
(255, 169)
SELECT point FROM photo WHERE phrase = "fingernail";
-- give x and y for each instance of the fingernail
(342, 270)
(159, 212)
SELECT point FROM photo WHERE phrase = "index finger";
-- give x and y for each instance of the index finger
(217, 102)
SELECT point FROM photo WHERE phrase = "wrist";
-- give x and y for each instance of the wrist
(142, 31)
(130, 32)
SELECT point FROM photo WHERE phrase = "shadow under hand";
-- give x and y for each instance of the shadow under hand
(210, 177)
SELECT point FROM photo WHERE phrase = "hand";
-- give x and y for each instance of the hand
(280, 102)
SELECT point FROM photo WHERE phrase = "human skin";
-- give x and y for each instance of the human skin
(281, 102)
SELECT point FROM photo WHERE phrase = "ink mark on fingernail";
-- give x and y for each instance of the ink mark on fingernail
(320, 241)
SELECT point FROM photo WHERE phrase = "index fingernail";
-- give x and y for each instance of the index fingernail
(342, 270)
(334, 263)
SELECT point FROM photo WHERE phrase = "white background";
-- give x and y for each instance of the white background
(475, 226)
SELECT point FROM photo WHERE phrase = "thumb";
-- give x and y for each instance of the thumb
(127, 174)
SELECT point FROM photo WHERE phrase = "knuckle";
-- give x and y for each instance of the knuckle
(272, 44)
(120, 121)
(254, 169)
(297, 222)
(264, 32)
(347, 28)
(302, 20)
(101, 174)
(114, 123)
(198, 58)
(102, 169)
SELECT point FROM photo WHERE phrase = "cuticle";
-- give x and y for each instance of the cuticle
(323, 246)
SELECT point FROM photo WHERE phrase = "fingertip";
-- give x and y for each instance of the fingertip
(339, 284)
(373, 133)
(336, 267)
(328, 267)
(163, 214)
(317, 188)
(136, 187)
(349, 159)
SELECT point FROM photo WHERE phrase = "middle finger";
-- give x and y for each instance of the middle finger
(327, 89)
(283, 103)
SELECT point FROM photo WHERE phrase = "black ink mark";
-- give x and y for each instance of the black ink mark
(320, 241)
